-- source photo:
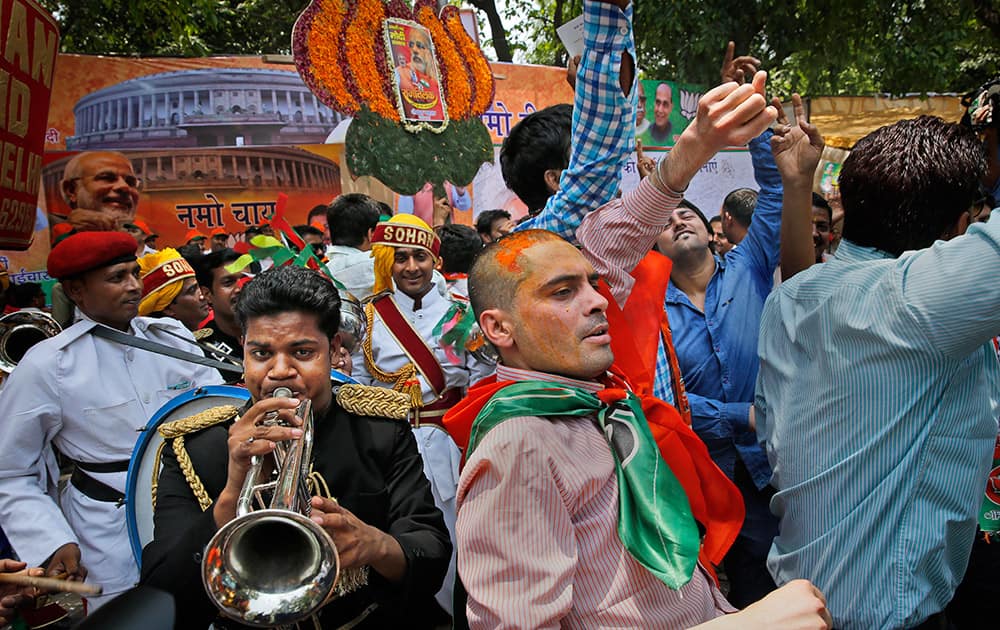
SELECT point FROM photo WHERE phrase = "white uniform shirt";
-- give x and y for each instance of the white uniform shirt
(355, 269)
(440, 454)
(88, 396)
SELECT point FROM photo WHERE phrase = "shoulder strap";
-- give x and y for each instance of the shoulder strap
(365, 400)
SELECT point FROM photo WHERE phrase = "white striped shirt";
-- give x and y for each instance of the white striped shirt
(537, 535)
(877, 399)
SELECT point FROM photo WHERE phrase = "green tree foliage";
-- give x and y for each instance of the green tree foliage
(178, 28)
(811, 46)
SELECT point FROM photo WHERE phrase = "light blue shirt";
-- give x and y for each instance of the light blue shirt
(877, 403)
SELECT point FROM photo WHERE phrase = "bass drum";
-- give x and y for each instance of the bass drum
(139, 483)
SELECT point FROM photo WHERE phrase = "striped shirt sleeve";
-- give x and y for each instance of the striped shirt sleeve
(619, 234)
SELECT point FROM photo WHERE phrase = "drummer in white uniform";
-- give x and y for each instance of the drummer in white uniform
(402, 351)
(86, 396)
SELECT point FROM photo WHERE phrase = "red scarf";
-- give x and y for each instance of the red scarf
(715, 502)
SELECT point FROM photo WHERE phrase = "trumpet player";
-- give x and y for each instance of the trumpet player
(370, 493)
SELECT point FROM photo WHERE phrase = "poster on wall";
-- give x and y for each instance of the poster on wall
(664, 110)
(231, 188)
(416, 77)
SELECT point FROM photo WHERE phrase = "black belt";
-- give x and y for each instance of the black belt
(103, 467)
(96, 490)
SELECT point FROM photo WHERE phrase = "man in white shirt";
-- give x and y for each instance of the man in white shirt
(86, 396)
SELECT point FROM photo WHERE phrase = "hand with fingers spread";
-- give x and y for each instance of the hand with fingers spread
(739, 68)
(14, 596)
(645, 165)
(728, 115)
(359, 544)
(255, 433)
(797, 146)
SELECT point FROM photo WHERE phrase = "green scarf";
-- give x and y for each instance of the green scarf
(655, 523)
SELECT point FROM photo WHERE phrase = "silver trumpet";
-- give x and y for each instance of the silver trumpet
(273, 566)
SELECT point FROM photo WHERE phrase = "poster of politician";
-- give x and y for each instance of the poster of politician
(416, 76)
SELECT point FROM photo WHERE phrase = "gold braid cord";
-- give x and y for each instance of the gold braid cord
(404, 379)
(176, 431)
(364, 400)
(350, 580)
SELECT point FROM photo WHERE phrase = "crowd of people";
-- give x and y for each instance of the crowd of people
(798, 396)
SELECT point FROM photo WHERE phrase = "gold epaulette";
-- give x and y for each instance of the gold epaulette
(202, 334)
(367, 400)
(174, 432)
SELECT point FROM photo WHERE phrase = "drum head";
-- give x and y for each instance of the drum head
(139, 484)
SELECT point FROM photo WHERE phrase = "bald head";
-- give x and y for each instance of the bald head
(536, 300)
(500, 268)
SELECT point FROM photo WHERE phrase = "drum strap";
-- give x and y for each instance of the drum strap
(158, 348)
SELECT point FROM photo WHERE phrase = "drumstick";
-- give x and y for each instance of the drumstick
(51, 584)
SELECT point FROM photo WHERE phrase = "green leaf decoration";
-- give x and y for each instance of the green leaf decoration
(405, 161)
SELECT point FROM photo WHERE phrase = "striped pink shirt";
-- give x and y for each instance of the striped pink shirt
(538, 545)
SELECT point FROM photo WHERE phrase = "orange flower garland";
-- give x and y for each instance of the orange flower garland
(362, 53)
(455, 75)
(319, 30)
(480, 73)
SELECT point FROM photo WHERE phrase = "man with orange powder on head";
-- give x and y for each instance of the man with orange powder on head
(575, 474)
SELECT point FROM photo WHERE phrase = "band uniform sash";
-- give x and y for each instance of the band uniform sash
(411, 342)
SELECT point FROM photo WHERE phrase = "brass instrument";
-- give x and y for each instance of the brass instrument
(21, 330)
(273, 566)
(352, 321)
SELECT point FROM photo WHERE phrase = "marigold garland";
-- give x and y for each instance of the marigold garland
(480, 73)
(455, 78)
(318, 55)
(365, 57)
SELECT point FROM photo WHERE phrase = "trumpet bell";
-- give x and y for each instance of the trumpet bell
(20, 331)
(270, 567)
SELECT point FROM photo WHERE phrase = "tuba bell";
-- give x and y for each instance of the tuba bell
(273, 566)
(21, 330)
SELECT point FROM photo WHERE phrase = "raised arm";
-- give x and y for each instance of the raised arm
(797, 149)
(621, 233)
(603, 120)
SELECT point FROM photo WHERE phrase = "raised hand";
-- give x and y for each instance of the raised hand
(84, 220)
(797, 147)
(572, 67)
(737, 69)
(645, 165)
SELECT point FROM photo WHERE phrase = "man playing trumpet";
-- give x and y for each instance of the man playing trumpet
(370, 494)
